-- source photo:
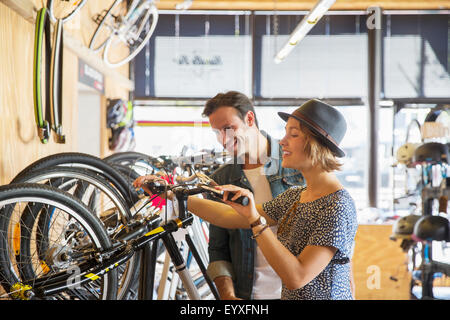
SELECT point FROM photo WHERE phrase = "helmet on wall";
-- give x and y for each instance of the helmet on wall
(432, 228)
(431, 152)
(119, 113)
(403, 227)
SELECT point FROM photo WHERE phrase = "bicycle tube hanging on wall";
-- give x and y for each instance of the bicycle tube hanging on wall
(50, 118)
(42, 29)
(56, 85)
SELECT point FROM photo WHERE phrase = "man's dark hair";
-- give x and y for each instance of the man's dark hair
(234, 99)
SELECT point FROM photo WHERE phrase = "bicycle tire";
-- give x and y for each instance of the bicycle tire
(127, 157)
(38, 193)
(65, 17)
(132, 164)
(117, 179)
(134, 50)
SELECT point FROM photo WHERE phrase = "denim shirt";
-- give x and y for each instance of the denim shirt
(232, 251)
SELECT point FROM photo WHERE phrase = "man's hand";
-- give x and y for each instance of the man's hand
(141, 182)
(225, 287)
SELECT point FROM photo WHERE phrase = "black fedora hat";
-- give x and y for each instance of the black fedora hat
(324, 120)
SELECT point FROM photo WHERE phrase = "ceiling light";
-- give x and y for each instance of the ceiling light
(309, 21)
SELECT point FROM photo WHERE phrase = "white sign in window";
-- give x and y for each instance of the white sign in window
(202, 66)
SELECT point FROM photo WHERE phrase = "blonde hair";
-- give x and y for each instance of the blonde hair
(319, 153)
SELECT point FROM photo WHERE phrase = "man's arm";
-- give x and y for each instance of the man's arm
(220, 269)
(225, 287)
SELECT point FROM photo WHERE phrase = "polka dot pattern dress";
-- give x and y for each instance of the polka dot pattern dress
(327, 221)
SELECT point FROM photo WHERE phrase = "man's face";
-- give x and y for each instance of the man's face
(231, 131)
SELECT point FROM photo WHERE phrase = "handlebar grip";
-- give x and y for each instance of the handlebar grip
(155, 187)
(244, 201)
(241, 200)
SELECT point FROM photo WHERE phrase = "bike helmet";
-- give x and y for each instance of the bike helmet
(403, 227)
(432, 228)
(431, 152)
(116, 112)
(406, 152)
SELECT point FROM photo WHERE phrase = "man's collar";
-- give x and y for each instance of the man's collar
(273, 146)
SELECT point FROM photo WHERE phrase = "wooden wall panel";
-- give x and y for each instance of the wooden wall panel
(19, 143)
(375, 252)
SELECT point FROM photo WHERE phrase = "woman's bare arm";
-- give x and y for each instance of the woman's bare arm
(217, 213)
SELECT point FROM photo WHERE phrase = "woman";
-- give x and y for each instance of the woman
(316, 224)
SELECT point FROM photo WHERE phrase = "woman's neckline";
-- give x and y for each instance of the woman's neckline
(318, 199)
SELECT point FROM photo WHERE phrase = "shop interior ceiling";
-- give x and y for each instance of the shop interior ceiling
(303, 4)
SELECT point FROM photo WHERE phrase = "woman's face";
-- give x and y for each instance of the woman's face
(293, 144)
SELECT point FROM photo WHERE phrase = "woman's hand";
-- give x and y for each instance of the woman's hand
(249, 211)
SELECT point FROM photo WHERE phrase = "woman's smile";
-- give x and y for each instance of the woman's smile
(286, 153)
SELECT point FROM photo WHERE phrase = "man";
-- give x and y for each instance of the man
(236, 265)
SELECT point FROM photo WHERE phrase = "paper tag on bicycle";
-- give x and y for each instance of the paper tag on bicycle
(171, 212)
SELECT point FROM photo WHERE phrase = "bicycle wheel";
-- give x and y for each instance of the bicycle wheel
(71, 230)
(64, 9)
(74, 159)
(106, 24)
(130, 37)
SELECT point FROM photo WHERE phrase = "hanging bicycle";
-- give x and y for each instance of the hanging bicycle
(123, 30)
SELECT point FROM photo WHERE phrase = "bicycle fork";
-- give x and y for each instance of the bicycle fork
(180, 266)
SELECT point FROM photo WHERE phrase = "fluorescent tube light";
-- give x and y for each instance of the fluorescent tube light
(303, 27)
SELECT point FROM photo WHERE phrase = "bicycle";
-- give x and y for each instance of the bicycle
(134, 164)
(100, 263)
(30, 251)
(92, 180)
(123, 32)
(85, 175)
(63, 170)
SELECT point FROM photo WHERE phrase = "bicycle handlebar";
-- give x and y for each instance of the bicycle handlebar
(158, 188)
